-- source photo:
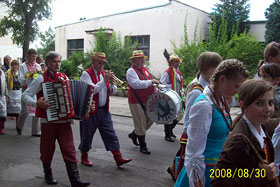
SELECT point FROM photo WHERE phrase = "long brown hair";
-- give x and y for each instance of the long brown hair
(249, 91)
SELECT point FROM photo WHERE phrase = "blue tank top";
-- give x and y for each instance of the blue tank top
(217, 135)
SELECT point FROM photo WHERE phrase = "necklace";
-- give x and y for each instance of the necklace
(222, 109)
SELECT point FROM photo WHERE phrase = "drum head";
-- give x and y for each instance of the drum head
(162, 108)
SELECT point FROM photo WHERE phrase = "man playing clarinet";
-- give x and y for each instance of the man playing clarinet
(101, 118)
(51, 131)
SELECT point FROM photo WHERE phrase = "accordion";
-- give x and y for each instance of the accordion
(68, 99)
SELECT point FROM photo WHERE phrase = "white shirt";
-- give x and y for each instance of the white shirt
(22, 73)
(192, 96)
(134, 81)
(100, 87)
(260, 136)
(166, 81)
(200, 120)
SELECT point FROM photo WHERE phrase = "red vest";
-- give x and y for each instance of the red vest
(142, 93)
(171, 76)
(48, 77)
(92, 75)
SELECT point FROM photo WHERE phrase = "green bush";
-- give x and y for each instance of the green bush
(75, 64)
(247, 49)
(189, 52)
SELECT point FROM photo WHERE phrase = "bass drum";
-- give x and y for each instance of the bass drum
(164, 106)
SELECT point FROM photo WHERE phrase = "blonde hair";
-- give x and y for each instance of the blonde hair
(14, 62)
(230, 69)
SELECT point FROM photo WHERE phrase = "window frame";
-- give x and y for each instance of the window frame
(142, 47)
(75, 49)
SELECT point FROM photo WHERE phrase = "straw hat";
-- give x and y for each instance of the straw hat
(137, 54)
(99, 56)
(175, 57)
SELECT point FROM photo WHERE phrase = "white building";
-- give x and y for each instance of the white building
(6, 44)
(155, 28)
(257, 29)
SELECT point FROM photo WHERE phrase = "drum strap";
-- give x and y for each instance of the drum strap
(138, 99)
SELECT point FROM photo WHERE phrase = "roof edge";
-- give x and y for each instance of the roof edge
(126, 12)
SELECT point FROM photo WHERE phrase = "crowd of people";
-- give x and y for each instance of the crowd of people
(213, 145)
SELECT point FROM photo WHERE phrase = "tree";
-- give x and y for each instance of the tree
(272, 15)
(242, 46)
(22, 20)
(236, 12)
(47, 42)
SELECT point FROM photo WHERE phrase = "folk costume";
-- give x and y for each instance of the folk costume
(14, 93)
(139, 89)
(209, 125)
(25, 70)
(194, 92)
(244, 142)
(101, 118)
(3, 105)
(173, 79)
(60, 130)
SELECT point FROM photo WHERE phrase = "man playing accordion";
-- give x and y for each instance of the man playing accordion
(59, 130)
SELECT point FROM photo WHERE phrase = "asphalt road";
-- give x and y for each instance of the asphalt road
(20, 164)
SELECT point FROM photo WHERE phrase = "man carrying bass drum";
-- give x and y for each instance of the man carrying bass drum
(173, 79)
(140, 86)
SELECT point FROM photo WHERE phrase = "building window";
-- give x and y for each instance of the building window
(75, 46)
(143, 44)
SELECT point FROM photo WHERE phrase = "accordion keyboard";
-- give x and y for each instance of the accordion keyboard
(56, 94)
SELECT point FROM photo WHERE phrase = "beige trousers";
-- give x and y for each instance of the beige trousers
(141, 121)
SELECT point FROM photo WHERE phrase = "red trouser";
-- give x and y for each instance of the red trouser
(62, 132)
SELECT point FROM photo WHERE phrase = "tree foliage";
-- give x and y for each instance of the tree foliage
(245, 48)
(47, 42)
(22, 20)
(236, 12)
(272, 15)
(117, 52)
(242, 46)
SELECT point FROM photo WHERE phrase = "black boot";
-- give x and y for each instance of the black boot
(167, 130)
(133, 137)
(143, 145)
(73, 174)
(48, 174)
(172, 127)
